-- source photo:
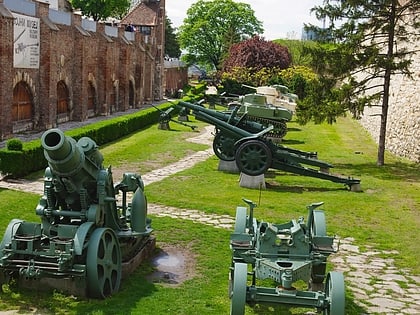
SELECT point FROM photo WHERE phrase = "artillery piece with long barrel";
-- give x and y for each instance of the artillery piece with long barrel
(86, 239)
(254, 154)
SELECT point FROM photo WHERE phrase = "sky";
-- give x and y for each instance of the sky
(281, 18)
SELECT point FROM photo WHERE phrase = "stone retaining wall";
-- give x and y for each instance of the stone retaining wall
(403, 126)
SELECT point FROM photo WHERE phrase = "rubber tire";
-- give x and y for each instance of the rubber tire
(238, 296)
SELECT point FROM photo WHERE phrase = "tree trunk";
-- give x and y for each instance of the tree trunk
(387, 82)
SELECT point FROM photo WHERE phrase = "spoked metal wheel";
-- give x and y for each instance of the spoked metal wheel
(103, 266)
(238, 295)
(253, 157)
(318, 228)
(335, 294)
(223, 147)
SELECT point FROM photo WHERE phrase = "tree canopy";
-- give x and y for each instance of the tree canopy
(102, 9)
(211, 27)
(257, 53)
(171, 43)
(366, 46)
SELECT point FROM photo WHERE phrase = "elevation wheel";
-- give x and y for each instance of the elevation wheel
(103, 265)
(253, 157)
(335, 294)
(238, 295)
(223, 147)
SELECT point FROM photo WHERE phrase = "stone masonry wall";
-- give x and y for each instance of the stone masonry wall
(403, 126)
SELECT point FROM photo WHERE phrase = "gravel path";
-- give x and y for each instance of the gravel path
(377, 285)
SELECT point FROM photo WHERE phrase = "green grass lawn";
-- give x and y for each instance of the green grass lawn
(385, 215)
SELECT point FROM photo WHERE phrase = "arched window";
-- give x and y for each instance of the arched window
(22, 102)
(62, 98)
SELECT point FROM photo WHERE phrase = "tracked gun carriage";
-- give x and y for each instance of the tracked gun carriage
(87, 240)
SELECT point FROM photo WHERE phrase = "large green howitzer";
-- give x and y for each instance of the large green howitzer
(284, 253)
(86, 241)
(254, 153)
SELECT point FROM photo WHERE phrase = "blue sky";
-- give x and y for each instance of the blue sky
(281, 18)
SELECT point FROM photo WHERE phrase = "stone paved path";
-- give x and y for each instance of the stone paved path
(377, 285)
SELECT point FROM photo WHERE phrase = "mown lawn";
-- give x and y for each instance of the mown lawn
(385, 215)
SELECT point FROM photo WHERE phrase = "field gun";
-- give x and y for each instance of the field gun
(285, 254)
(87, 240)
(254, 153)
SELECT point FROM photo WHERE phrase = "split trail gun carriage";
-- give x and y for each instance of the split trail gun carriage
(87, 240)
(281, 255)
(249, 145)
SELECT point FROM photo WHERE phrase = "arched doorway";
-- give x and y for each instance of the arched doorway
(62, 102)
(91, 105)
(131, 95)
(22, 107)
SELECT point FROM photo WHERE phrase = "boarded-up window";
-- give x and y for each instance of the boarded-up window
(62, 98)
(22, 102)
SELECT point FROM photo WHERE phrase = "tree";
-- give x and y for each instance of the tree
(257, 53)
(172, 48)
(211, 27)
(102, 9)
(368, 50)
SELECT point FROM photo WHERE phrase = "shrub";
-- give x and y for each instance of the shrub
(14, 144)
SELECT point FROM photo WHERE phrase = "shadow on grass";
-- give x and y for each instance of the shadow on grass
(293, 129)
(290, 141)
(300, 189)
(49, 301)
(394, 171)
(351, 309)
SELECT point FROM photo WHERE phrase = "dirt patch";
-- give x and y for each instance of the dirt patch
(173, 265)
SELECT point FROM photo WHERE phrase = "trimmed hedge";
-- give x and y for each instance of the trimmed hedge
(31, 158)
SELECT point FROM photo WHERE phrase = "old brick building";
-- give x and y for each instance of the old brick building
(57, 66)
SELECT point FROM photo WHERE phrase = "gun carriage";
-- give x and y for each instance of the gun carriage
(246, 143)
(283, 254)
(87, 240)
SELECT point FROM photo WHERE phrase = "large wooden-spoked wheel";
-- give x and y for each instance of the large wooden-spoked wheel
(223, 147)
(335, 294)
(238, 294)
(318, 228)
(253, 157)
(104, 263)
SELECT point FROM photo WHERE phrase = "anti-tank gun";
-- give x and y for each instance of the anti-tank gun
(284, 253)
(86, 238)
(254, 153)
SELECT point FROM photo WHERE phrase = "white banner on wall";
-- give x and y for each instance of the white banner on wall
(53, 4)
(26, 38)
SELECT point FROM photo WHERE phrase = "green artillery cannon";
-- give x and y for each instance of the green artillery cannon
(254, 154)
(87, 240)
(285, 254)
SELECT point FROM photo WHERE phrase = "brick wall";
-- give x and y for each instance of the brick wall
(120, 67)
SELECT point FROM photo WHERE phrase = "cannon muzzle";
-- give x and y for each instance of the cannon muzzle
(66, 157)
